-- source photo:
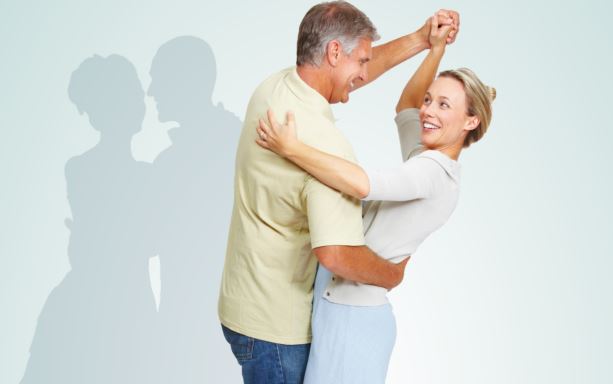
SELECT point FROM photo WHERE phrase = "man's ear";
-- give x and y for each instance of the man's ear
(333, 52)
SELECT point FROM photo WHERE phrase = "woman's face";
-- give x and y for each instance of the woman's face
(444, 122)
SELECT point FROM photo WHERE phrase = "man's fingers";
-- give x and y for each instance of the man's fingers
(433, 25)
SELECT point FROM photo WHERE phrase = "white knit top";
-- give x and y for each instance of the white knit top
(406, 204)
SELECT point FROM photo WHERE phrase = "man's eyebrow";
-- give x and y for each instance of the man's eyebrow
(365, 60)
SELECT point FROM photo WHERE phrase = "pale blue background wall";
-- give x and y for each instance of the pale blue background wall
(514, 289)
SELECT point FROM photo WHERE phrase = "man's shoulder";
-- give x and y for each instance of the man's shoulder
(271, 82)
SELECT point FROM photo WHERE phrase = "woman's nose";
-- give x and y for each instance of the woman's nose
(427, 109)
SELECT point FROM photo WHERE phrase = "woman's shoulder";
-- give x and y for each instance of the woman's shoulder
(438, 162)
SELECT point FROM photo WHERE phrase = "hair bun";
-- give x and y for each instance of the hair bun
(492, 92)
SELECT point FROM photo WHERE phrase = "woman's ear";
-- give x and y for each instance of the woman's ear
(471, 123)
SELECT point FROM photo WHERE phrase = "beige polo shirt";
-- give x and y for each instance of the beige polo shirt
(280, 214)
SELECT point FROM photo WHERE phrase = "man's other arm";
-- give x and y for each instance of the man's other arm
(360, 264)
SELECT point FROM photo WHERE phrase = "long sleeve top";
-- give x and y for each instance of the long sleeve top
(405, 205)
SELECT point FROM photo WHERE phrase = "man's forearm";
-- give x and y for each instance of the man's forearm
(387, 56)
(362, 265)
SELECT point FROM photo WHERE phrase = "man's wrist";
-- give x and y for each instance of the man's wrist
(422, 38)
(415, 43)
(423, 35)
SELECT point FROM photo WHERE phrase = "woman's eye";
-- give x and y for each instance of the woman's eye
(426, 101)
(444, 105)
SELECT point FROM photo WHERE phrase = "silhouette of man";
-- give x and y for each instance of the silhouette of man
(194, 182)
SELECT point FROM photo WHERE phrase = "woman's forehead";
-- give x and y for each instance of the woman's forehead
(447, 87)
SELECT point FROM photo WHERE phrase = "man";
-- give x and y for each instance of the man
(282, 215)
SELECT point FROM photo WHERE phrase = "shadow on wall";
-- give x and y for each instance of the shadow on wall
(100, 324)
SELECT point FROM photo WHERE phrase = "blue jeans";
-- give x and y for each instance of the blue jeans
(263, 362)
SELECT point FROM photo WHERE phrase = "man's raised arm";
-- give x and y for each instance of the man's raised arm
(387, 56)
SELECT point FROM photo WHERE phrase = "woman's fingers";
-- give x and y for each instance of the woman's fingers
(449, 17)
(445, 30)
(272, 119)
(453, 15)
(262, 143)
(291, 120)
(440, 34)
(263, 130)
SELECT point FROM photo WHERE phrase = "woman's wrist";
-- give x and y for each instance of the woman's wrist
(292, 149)
(438, 50)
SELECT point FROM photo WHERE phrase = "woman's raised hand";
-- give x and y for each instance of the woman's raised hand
(439, 36)
(279, 138)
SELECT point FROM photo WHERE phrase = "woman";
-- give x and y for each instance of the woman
(353, 325)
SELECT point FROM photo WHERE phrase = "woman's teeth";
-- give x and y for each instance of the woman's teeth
(430, 126)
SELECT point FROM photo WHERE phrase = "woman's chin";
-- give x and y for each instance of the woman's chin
(428, 140)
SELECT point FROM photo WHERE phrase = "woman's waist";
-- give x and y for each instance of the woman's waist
(357, 294)
(343, 291)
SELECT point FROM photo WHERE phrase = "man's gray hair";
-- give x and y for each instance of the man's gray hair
(335, 20)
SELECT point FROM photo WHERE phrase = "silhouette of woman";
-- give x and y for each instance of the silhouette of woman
(98, 324)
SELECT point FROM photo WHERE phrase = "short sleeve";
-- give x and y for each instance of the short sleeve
(334, 218)
(409, 132)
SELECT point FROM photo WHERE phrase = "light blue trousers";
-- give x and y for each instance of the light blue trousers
(350, 344)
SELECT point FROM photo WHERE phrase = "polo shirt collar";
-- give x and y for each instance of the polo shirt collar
(308, 95)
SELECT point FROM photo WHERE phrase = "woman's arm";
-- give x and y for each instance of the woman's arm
(411, 180)
(414, 91)
(331, 170)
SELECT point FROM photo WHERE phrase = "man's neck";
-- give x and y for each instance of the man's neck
(316, 78)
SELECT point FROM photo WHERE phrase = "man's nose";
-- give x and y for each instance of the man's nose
(364, 73)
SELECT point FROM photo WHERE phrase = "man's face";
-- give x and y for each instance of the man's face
(350, 68)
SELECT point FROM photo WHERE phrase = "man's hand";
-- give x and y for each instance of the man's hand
(387, 56)
(360, 264)
(400, 268)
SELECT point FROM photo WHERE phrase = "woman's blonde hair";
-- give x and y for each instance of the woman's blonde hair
(479, 98)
